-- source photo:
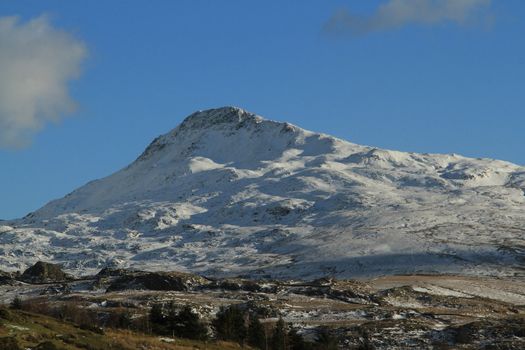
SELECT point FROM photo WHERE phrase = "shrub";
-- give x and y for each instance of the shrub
(187, 324)
(182, 323)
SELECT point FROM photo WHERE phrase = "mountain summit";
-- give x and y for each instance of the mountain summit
(228, 192)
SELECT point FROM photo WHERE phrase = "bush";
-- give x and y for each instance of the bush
(187, 324)
(182, 323)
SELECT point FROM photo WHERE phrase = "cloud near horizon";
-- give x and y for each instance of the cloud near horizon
(395, 14)
(37, 61)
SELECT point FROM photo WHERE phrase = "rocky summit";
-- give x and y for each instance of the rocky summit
(229, 193)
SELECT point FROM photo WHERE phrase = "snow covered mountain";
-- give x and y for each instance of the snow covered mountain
(228, 192)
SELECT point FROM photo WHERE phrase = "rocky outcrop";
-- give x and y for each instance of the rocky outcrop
(140, 280)
(237, 284)
(7, 278)
(43, 272)
(345, 290)
(113, 272)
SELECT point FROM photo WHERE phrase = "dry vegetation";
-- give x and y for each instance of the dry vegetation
(22, 330)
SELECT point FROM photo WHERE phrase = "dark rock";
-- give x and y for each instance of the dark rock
(43, 272)
(176, 281)
(58, 289)
(345, 290)
(323, 282)
(235, 284)
(113, 272)
(279, 211)
(7, 278)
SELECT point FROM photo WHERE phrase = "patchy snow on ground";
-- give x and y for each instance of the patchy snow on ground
(437, 290)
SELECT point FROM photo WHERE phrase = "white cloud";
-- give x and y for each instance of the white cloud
(36, 63)
(398, 13)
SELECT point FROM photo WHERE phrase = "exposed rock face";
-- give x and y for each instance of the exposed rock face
(175, 281)
(345, 290)
(43, 272)
(7, 278)
(112, 272)
(236, 284)
(58, 289)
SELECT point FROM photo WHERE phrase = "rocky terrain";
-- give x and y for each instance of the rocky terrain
(393, 312)
(228, 193)
(368, 248)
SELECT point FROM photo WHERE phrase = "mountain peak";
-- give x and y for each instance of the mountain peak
(216, 116)
(198, 127)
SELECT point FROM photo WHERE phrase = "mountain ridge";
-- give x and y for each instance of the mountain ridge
(228, 192)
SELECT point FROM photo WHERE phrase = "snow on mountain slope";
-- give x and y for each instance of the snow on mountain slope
(228, 192)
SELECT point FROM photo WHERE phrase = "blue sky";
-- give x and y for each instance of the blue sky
(409, 81)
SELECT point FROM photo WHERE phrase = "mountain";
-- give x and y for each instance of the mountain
(230, 193)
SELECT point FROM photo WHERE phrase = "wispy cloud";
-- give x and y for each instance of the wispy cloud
(394, 14)
(36, 63)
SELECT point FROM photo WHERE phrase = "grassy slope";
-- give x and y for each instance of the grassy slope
(32, 329)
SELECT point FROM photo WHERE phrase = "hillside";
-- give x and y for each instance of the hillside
(231, 193)
(25, 330)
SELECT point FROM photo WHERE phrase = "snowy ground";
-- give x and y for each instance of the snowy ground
(230, 193)
(502, 289)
